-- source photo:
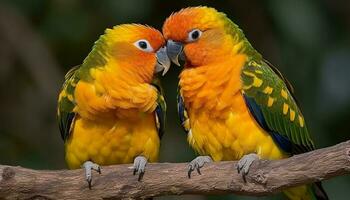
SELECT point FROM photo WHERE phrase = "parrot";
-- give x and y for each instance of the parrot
(232, 103)
(111, 109)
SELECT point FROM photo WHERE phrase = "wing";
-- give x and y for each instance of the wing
(66, 104)
(160, 112)
(269, 97)
(181, 110)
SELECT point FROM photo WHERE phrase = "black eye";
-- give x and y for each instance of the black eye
(194, 35)
(143, 45)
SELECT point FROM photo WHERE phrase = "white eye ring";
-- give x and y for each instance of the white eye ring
(143, 45)
(194, 35)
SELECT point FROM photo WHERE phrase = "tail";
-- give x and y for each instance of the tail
(318, 191)
(307, 192)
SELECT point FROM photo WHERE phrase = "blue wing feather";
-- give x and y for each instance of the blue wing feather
(65, 124)
(181, 110)
(160, 109)
(161, 118)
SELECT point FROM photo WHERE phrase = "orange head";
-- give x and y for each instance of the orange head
(137, 51)
(198, 34)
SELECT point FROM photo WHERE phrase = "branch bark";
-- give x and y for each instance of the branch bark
(117, 182)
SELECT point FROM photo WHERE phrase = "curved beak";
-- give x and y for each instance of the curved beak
(163, 62)
(175, 51)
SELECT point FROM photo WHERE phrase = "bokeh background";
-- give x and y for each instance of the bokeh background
(41, 39)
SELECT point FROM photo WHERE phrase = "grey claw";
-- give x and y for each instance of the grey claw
(89, 183)
(199, 171)
(244, 164)
(89, 166)
(198, 163)
(140, 163)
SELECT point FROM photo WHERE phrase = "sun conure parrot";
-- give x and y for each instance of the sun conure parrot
(111, 109)
(232, 103)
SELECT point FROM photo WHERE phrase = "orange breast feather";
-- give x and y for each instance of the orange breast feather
(221, 124)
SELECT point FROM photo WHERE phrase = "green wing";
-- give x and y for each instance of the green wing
(66, 104)
(96, 58)
(269, 97)
(160, 112)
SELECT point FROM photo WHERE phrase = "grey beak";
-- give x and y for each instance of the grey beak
(175, 51)
(163, 62)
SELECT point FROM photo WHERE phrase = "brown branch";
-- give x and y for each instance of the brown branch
(117, 182)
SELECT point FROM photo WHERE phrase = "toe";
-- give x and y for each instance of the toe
(89, 183)
(198, 163)
(244, 164)
(190, 169)
(141, 173)
(189, 172)
(199, 171)
(136, 165)
(95, 167)
(141, 168)
(140, 163)
(136, 168)
(89, 166)
(246, 169)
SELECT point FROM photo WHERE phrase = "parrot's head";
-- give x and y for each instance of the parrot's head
(139, 49)
(199, 36)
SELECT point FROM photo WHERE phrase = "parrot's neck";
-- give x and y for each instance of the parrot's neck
(212, 88)
(132, 73)
(241, 41)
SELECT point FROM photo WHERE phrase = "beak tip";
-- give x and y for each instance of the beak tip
(163, 61)
(175, 51)
(164, 72)
(176, 62)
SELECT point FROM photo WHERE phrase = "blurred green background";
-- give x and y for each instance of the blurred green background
(41, 39)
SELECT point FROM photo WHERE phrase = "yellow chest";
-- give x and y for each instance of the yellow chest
(231, 137)
(112, 141)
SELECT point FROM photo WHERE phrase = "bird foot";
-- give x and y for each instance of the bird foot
(244, 164)
(89, 166)
(198, 163)
(140, 163)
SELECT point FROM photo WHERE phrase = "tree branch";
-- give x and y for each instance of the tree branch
(117, 182)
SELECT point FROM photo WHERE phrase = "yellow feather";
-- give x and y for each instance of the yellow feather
(284, 94)
(285, 108)
(270, 101)
(268, 90)
(301, 121)
(113, 142)
(292, 115)
(257, 82)
(258, 71)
